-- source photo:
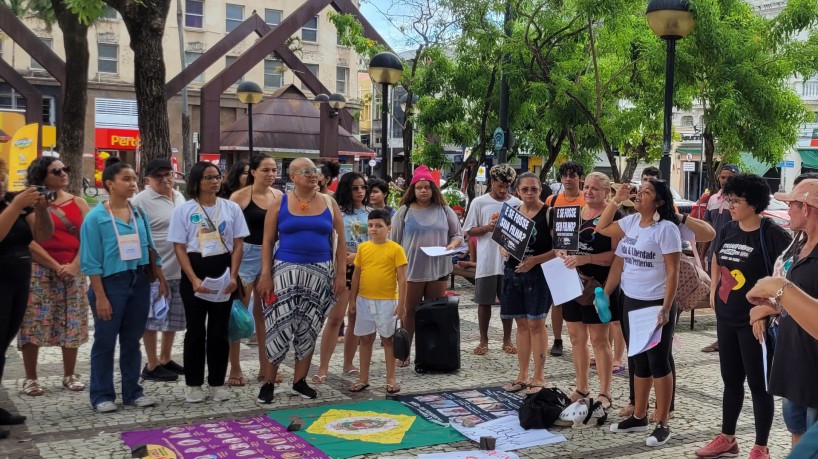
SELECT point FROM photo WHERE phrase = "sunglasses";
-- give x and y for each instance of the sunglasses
(309, 172)
(60, 171)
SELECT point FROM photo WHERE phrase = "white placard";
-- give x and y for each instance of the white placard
(689, 167)
(564, 283)
(439, 251)
(509, 434)
(644, 329)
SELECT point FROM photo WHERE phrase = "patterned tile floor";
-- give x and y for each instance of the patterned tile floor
(63, 425)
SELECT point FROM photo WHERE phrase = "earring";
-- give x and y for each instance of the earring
(656, 216)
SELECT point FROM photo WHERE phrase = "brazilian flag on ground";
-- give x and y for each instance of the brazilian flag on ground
(366, 427)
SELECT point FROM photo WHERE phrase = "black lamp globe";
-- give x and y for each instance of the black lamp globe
(670, 19)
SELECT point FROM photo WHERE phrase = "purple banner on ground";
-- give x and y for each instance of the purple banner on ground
(249, 438)
(467, 407)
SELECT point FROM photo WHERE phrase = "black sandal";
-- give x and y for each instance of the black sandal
(607, 398)
(578, 395)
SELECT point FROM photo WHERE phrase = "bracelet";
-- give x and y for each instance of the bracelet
(684, 218)
(780, 293)
(618, 203)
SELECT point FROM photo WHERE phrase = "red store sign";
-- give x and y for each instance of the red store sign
(116, 139)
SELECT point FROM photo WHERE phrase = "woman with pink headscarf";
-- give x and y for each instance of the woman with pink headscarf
(424, 220)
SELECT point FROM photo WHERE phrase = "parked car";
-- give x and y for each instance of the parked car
(778, 211)
(684, 206)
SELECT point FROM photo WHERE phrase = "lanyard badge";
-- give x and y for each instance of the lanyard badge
(130, 247)
(210, 240)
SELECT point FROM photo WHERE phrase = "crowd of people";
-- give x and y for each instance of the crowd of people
(332, 259)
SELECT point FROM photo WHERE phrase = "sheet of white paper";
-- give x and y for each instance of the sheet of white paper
(563, 282)
(509, 434)
(645, 334)
(764, 360)
(216, 285)
(438, 251)
(478, 454)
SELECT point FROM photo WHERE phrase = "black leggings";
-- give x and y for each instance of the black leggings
(15, 283)
(206, 335)
(632, 371)
(655, 362)
(740, 358)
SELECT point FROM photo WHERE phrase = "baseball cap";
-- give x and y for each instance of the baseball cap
(806, 192)
(156, 164)
(729, 167)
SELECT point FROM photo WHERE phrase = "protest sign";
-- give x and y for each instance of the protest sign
(566, 227)
(512, 231)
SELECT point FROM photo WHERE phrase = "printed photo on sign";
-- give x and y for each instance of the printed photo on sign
(513, 231)
(566, 227)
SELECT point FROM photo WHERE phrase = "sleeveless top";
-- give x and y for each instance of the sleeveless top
(303, 239)
(254, 216)
(64, 244)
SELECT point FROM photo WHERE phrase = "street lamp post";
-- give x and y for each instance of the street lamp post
(385, 68)
(249, 93)
(408, 127)
(329, 107)
(671, 20)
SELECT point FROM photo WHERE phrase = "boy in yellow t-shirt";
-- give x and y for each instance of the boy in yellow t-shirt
(378, 286)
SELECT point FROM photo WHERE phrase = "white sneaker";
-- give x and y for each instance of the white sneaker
(219, 394)
(143, 402)
(106, 407)
(194, 394)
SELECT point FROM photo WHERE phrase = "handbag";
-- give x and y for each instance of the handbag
(401, 342)
(589, 285)
(694, 283)
(541, 409)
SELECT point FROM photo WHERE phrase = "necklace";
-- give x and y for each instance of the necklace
(304, 206)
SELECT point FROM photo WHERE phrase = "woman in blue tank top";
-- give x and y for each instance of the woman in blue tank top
(302, 280)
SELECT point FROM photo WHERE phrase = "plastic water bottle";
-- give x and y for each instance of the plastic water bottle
(602, 304)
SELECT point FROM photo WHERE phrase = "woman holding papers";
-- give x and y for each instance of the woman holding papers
(525, 296)
(744, 252)
(593, 259)
(207, 234)
(116, 254)
(646, 268)
(424, 220)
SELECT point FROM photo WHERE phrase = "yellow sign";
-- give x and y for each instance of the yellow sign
(367, 426)
(22, 152)
(160, 452)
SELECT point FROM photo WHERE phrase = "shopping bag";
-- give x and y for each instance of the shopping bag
(241, 322)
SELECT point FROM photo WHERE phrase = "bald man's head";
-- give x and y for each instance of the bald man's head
(299, 164)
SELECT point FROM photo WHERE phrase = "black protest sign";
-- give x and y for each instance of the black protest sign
(566, 227)
(512, 231)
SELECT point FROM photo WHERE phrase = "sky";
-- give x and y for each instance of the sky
(392, 35)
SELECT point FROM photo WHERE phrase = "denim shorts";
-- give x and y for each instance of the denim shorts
(524, 295)
(798, 418)
(250, 268)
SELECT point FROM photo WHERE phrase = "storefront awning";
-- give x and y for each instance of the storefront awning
(809, 157)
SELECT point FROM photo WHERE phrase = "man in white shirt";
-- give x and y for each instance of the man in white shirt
(480, 221)
(157, 201)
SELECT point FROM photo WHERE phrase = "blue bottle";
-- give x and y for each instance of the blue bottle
(603, 305)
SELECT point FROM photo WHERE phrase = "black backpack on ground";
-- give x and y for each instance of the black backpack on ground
(539, 410)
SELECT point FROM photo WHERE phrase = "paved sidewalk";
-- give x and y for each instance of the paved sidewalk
(62, 424)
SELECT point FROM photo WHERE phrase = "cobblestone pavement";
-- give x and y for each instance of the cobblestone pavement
(63, 425)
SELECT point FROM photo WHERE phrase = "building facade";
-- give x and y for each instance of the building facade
(111, 117)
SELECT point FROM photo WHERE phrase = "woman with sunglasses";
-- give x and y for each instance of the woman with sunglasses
(525, 296)
(424, 220)
(116, 254)
(19, 225)
(207, 234)
(350, 196)
(254, 200)
(646, 268)
(57, 313)
(593, 260)
(301, 280)
(744, 252)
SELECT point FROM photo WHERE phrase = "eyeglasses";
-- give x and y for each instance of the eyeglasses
(164, 176)
(213, 178)
(735, 201)
(309, 172)
(60, 171)
(526, 190)
(360, 188)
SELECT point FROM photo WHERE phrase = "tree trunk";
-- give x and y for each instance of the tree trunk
(709, 151)
(71, 140)
(146, 25)
(187, 150)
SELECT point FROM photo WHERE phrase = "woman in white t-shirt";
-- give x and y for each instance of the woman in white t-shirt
(207, 234)
(646, 268)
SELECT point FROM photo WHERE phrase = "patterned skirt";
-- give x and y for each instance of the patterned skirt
(57, 313)
(303, 298)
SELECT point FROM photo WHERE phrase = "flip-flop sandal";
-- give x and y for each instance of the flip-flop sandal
(509, 349)
(236, 381)
(710, 348)
(577, 395)
(481, 350)
(352, 372)
(402, 363)
(616, 369)
(515, 386)
(392, 388)
(319, 379)
(358, 387)
(533, 389)
(605, 400)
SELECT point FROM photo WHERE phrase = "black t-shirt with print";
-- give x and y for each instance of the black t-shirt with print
(540, 241)
(741, 261)
(795, 363)
(591, 242)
